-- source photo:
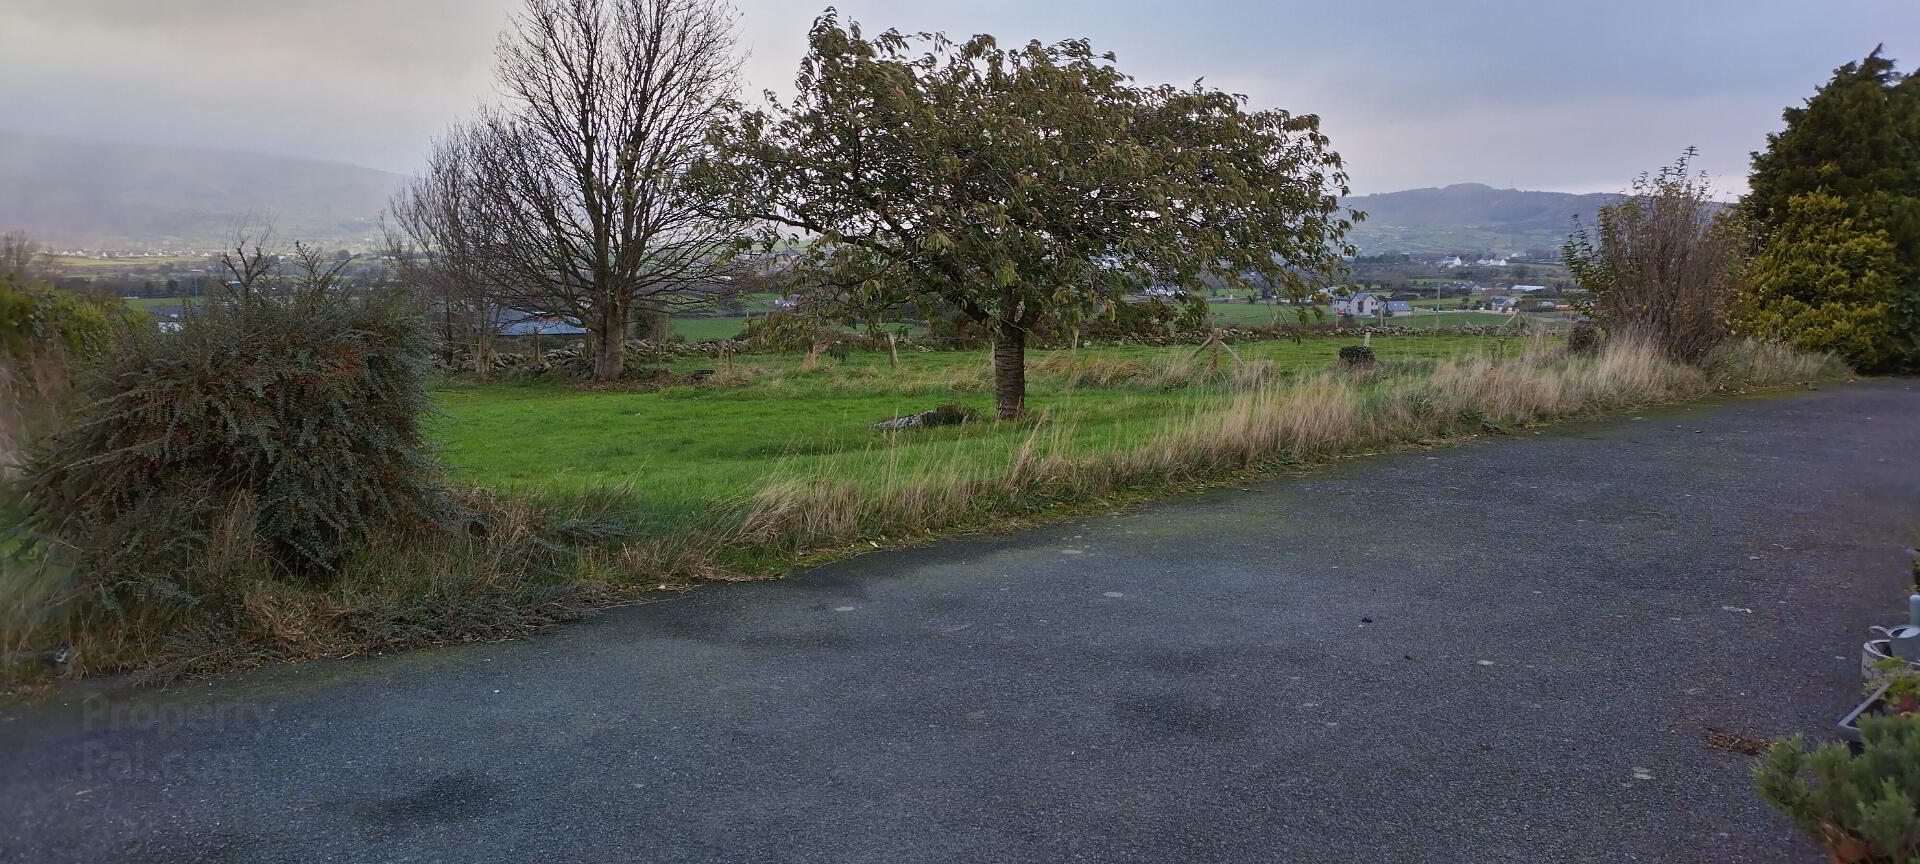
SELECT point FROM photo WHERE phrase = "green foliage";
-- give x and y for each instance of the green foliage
(1824, 282)
(299, 418)
(782, 332)
(1025, 184)
(35, 316)
(1851, 156)
(1146, 319)
(1863, 807)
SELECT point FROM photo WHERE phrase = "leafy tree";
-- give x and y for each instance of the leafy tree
(1851, 155)
(1025, 184)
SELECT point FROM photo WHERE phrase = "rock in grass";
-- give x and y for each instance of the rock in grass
(945, 415)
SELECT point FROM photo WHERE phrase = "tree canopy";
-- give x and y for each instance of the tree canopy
(1836, 201)
(1022, 184)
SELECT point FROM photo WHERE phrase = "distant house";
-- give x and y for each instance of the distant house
(1527, 289)
(1370, 305)
(1451, 261)
(1491, 262)
(1361, 305)
(519, 322)
(1508, 305)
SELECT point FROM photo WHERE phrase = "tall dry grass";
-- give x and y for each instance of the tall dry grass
(1270, 422)
(34, 387)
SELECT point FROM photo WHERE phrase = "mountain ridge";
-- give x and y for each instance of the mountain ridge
(73, 192)
(1464, 217)
(69, 192)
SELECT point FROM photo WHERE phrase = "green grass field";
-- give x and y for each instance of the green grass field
(71, 264)
(150, 302)
(684, 451)
(701, 329)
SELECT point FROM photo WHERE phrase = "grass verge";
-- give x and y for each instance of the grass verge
(1114, 427)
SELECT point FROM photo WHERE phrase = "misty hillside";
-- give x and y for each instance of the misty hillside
(67, 192)
(1469, 217)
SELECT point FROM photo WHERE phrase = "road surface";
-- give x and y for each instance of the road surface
(1511, 651)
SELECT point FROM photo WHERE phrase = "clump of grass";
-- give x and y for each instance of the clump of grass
(400, 590)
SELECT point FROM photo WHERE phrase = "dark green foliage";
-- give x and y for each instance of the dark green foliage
(35, 317)
(1864, 808)
(1851, 156)
(1583, 340)
(293, 424)
(1154, 318)
(1357, 357)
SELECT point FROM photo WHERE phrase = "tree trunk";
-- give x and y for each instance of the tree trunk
(609, 357)
(1010, 369)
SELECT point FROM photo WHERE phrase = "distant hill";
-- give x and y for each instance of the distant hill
(67, 192)
(1469, 217)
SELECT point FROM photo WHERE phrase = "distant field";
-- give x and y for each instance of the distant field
(685, 450)
(1254, 314)
(67, 263)
(1226, 314)
(150, 302)
(699, 329)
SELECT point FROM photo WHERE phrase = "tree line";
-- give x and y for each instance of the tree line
(623, 177)
(1823, 253)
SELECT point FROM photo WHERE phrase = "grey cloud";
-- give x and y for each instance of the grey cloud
(1538, 93)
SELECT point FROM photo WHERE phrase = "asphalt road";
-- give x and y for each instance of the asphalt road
(1505, 652)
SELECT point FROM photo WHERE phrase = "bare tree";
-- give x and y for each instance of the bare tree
(1663, 262)
(21, 260)
(571, 198)
(248, 262)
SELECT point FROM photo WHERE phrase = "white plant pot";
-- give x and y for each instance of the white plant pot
(1872, 652)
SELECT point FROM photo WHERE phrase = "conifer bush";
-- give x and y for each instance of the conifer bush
(265, 438)
(1864, 808)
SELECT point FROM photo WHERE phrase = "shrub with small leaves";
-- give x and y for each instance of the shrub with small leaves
(300, 417)
(1357, 357)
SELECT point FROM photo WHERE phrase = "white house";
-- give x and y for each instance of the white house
(1508, 305)
(1527, 289)
(1370, 305)
(1453, 261)
(1359, 305)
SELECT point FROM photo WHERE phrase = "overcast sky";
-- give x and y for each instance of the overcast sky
(1537, 94)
